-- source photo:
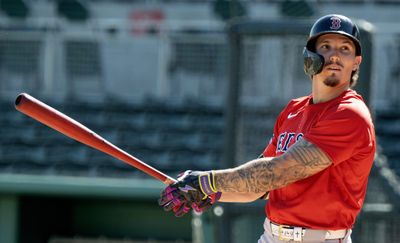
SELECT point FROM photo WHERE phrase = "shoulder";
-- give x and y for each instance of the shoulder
(353, 104)
(350, 106)
(296, 104)
(300, 101)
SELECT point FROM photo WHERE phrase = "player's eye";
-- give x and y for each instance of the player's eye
(346, 49)
(323, 47)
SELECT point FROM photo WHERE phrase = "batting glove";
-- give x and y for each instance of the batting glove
(182, 207)
(170, 200)
(193, 189)
(207, 203)
(195, 186)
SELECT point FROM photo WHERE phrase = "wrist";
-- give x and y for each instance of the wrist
(206, 181)
(216, 197)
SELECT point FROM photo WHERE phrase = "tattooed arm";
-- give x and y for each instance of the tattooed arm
(301, 160)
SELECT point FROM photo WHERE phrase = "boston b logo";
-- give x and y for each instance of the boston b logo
(335, 24)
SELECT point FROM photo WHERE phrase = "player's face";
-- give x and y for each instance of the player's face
(340, 59)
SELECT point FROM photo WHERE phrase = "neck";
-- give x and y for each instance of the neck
(323, 93)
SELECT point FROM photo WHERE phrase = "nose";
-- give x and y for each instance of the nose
(334, 56)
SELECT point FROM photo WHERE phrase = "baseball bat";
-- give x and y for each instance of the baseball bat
(75, 130)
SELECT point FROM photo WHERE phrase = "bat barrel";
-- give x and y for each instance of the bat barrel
(73, 129)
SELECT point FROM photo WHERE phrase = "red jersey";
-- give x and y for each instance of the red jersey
(332, 198)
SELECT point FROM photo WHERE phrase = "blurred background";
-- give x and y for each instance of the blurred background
(179, 84)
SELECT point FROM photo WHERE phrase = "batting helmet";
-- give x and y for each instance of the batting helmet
(332, 23)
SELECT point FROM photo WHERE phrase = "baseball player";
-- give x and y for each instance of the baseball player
(315, 168)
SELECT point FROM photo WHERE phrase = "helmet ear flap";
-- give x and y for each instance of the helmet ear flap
(313, 62)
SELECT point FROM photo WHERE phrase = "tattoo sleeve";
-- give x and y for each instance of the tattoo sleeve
(300, 161)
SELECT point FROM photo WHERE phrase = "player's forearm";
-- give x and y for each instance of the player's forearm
(302, 160)
(253, 177)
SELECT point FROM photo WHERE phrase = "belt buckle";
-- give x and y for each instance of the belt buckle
(280, 232)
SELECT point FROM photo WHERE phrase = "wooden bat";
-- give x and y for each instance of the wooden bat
(75, 130)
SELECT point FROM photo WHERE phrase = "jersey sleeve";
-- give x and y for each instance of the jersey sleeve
(271, 148)
(340, 134)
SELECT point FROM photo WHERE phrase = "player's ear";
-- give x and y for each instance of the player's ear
(357, 62)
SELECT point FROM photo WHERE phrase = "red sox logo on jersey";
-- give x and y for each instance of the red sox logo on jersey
(286, 139)
(335, 24)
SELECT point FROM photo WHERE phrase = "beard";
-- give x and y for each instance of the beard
(332, 81)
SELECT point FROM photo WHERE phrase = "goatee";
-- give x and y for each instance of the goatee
(331, 81)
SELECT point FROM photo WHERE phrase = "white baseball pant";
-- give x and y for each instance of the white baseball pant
(268, 237)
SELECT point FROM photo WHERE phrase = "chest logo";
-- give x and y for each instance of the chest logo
(286, 139)
(292, 115)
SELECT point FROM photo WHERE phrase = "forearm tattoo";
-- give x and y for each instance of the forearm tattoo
(301, 160)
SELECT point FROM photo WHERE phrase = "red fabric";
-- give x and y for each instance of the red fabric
(332, 198)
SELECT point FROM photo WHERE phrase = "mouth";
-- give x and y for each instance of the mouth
(333, 68)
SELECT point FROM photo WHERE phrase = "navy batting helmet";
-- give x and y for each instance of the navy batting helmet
(332, 23)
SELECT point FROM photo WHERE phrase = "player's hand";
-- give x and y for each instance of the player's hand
(171, 200)
(192, 187)
(207, 203)
(182, 207)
